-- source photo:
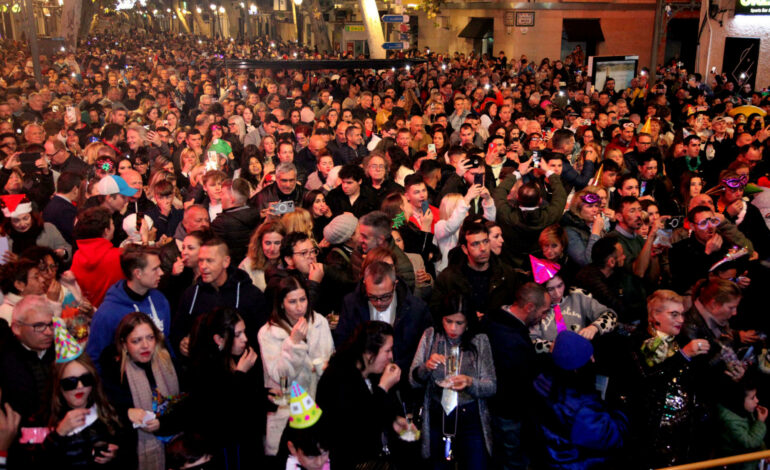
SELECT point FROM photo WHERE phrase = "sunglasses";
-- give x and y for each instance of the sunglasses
(71, 383)
(703, 224)
(590, 198)
(736, 183)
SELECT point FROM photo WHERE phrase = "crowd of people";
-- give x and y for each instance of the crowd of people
(467, 262)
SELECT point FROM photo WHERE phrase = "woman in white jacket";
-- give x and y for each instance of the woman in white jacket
(296, 343)
(453, 211)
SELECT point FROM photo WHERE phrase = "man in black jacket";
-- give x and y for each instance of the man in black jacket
(26, 366)
(514, 356)
(480, 277)
(284, 189)
(60, 210)
(237, 220)
(219, 285)
(382, 297)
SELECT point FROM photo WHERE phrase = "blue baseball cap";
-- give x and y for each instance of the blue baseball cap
(112, 184)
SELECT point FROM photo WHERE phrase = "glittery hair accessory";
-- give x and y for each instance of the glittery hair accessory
(67, 348)
(590, 198)
(399, 221)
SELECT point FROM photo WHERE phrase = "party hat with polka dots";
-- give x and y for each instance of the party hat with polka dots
(67, 347)
(303, 410)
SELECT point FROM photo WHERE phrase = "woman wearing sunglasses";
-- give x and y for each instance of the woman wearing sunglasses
(86, 430)
(584, 225)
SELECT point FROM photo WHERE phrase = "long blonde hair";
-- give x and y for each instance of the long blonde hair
(448, 205)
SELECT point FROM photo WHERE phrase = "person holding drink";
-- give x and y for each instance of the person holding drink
(357, 396)
(296, 343)
(454, 365)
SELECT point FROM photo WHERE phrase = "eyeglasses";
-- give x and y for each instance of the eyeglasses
(307, 253)
(376, 166)
(644, 143)
(383, 297)
(71, 383)
(703, 224)
(38, 327)
(47, 267)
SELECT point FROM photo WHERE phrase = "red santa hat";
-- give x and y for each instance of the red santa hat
(14, 205)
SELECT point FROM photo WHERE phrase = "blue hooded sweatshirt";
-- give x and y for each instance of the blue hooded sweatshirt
(115, 306)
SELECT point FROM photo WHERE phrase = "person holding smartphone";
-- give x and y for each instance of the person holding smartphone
(86, 428)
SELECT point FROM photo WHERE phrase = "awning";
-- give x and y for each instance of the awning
(477, 28)
(578, 30)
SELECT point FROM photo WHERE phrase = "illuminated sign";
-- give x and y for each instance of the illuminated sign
(752, 7)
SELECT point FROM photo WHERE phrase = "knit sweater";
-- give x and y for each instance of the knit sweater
(579, 310)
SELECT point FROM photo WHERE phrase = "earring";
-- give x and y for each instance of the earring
(221, 347)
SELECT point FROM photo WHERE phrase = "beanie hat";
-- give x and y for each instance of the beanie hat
(304, 412)
(67, 348)
(571, 351)
(341, 228)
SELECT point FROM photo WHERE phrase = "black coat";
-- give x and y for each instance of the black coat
(515, 358)
(412, 318)
(61, 213)
(228, 409)
(262, 199)
(237, 292)
(503, 281)
(77, 452)
(235, 226)
(355, 418)
(339, 202)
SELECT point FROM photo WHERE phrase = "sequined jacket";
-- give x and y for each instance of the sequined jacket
(668, 409)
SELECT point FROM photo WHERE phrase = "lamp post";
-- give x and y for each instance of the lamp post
(220, 19)
(213, 21)
(297, 19)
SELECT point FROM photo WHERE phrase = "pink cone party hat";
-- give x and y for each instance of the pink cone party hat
(543, 270)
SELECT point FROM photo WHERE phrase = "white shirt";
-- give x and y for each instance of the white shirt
(388, 315)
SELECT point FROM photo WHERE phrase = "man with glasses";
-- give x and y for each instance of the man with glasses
(383, 297)
(744, 215)
(691, 258)
(26, 370)
(61, 160)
